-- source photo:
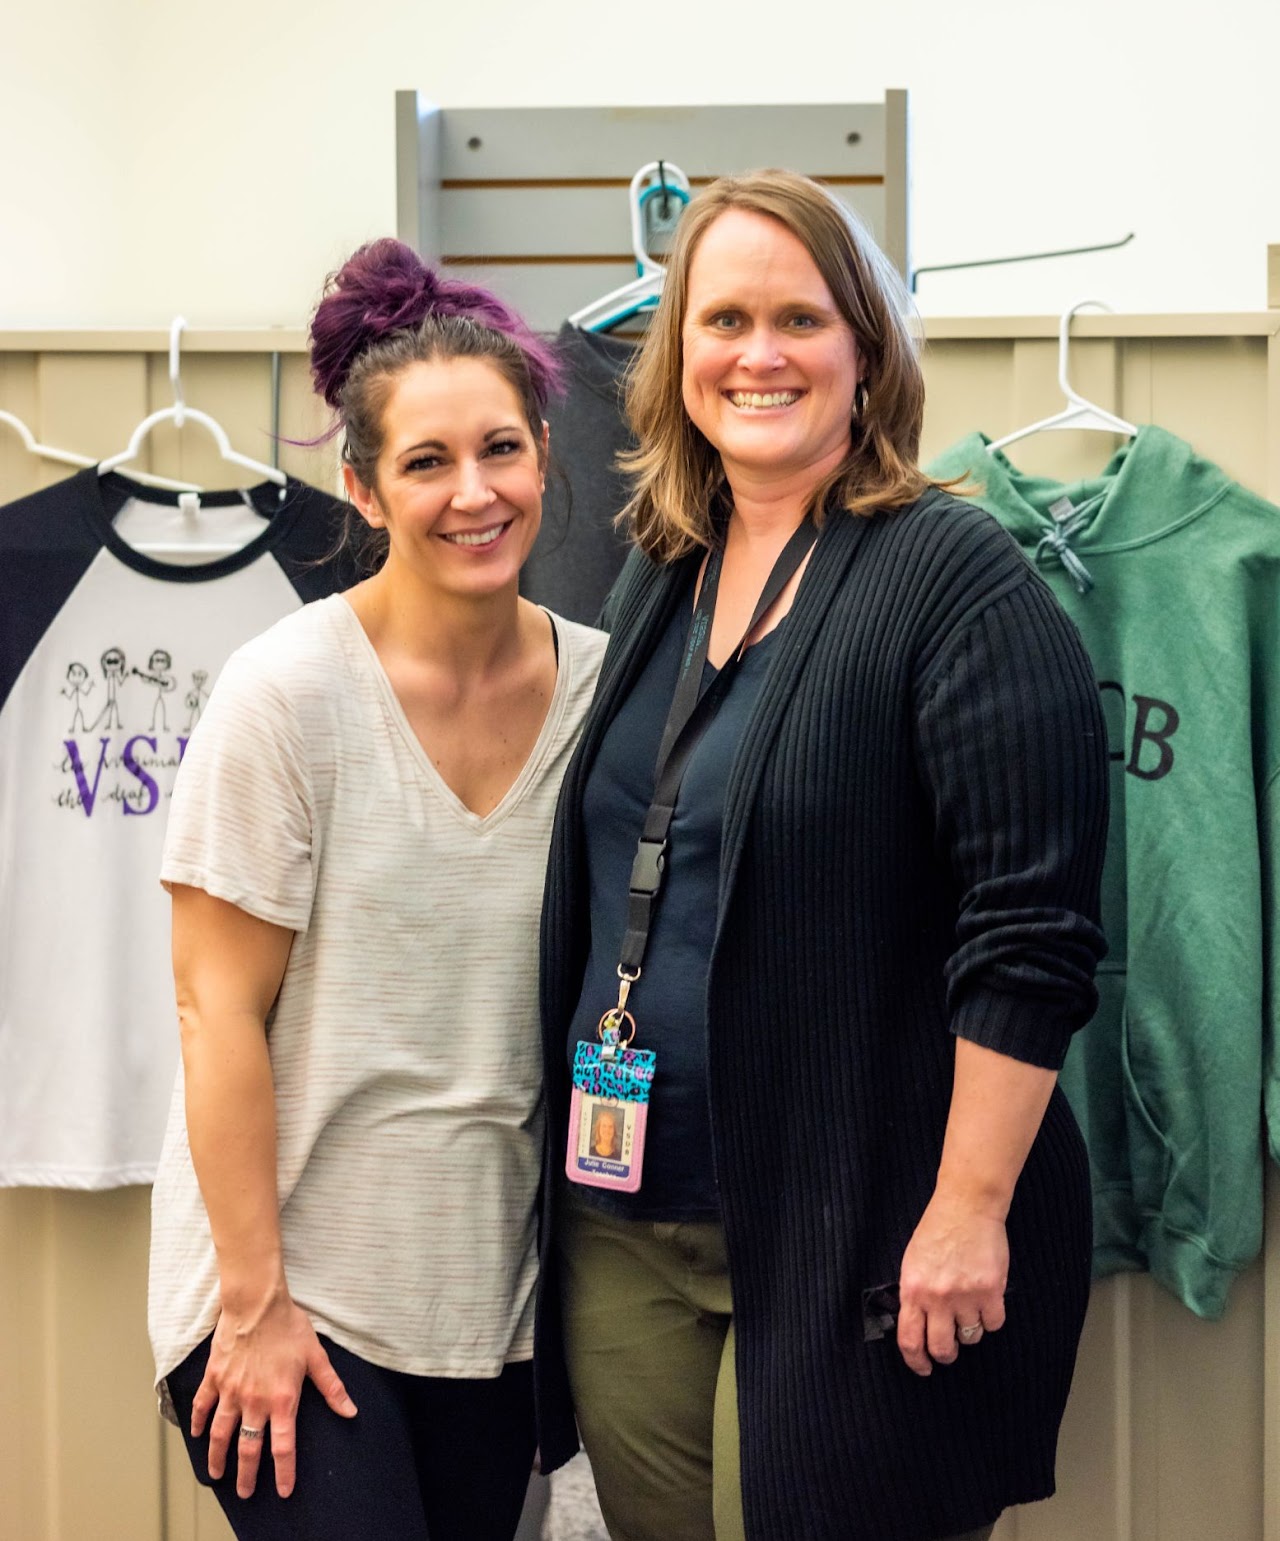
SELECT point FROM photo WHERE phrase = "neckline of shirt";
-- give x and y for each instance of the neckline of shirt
(1126, 514)
(709, 669)
(353, 631)
(102, 497)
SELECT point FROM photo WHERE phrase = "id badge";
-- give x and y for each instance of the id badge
(608, 1115)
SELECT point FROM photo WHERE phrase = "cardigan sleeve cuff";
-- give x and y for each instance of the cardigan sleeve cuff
(1023, 1028)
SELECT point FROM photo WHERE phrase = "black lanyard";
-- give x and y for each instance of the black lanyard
(692, 710)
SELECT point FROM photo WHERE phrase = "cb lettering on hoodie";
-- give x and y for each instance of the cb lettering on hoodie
(1148, 754)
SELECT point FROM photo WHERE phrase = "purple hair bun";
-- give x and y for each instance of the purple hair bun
(385, 287)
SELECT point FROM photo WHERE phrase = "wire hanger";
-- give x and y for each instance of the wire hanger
(658, 179)
(178, 414)
(1027, 256)
(1079, 412)
(67, 457)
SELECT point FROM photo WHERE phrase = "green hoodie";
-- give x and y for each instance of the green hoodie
(1172, 573)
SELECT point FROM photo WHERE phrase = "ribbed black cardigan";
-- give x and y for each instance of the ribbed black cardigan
(912, 848)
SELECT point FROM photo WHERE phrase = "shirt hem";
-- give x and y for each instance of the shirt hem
(1131, 1241)
(488, 1368)
(84, 1179)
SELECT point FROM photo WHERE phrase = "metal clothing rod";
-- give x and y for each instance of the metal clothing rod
(275, 411)
(1032, 256)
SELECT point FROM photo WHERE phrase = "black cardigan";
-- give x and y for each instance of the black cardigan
(913, 842)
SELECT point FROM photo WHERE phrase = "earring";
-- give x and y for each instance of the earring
(860, 397)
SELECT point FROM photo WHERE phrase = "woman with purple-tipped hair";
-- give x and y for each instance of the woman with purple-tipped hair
(344, 1233)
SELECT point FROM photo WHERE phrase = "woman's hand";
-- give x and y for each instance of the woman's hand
(257, 1363)
(954, 1271)
(951, 1288)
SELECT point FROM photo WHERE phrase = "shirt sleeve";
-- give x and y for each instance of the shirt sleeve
(1012, 751)
(240, 825)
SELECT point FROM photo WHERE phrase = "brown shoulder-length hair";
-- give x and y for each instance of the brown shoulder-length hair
(680, 487)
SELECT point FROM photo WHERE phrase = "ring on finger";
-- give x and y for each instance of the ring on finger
(970, 1333)
(247, 1433)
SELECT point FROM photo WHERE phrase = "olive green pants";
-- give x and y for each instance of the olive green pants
(649, 1340)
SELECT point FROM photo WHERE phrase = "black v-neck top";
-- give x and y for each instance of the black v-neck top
(669, 1001)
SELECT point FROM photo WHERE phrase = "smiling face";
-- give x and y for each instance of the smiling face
(459, 479)
(770, 364)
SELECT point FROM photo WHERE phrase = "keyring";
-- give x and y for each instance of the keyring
(612, 1022)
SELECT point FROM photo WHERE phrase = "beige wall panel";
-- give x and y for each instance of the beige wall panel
(967, 386)
(1213, 392)
(304, 416)
(20, 471)
(1136, 367)
(1202, 1393)
(108, 1450)
(1272, 477)
(1270, 1432)
(1173, 1430)
(28, 1424)
(91, 402)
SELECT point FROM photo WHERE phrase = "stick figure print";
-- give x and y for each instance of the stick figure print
(78, 684)
(158, 673)
(113, 672)
(195, 697)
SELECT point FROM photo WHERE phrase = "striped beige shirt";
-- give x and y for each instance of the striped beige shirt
(404, 1044)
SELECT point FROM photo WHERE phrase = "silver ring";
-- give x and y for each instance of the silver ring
(247, 1433)
(968, 1334)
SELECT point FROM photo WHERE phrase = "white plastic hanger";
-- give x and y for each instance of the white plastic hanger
(1079, 411)
(642, 293)
(64, 457)
(178, 414)
(67, 457)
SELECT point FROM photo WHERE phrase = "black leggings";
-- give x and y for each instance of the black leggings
(425, 1458)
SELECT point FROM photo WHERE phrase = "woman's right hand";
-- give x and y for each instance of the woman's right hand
(257, 1363)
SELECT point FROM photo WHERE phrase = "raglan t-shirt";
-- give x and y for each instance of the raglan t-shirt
(108, 656)
(404, 1044)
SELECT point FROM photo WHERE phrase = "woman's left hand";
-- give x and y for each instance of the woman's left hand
(951, 1288)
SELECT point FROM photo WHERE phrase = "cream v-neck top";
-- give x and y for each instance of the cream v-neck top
(404, 1044)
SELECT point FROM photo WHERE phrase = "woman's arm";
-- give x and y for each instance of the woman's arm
(955, 1269)
(227, 967)
(1012, 753)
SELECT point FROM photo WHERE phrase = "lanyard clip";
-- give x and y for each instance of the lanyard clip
(648, 867)
(626, 978)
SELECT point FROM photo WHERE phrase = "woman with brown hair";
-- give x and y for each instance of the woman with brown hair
(826, 863)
